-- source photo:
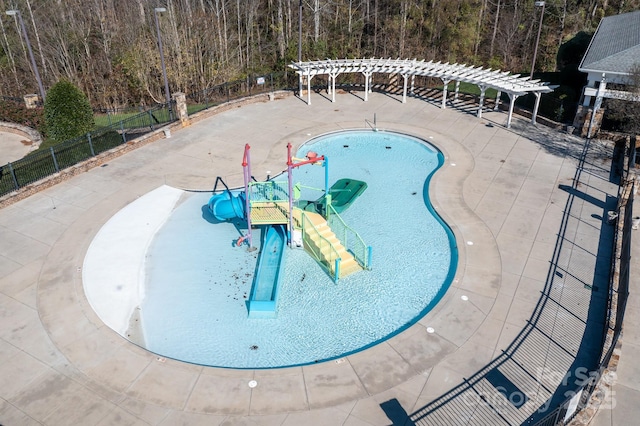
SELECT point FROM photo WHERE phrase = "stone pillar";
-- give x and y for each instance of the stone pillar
(181, 108)
(31, 101)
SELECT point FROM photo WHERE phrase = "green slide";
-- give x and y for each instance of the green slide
(343, 193)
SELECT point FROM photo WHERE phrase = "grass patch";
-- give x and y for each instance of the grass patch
(470, 89)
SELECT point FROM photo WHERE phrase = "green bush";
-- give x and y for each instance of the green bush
(67, 112)
(16, 112)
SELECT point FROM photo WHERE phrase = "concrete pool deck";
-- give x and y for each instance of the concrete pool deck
(505, 192)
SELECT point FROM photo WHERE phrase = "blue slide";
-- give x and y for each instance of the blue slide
(266, 283)
(226, 206)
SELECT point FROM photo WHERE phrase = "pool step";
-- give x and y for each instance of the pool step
(320, 235)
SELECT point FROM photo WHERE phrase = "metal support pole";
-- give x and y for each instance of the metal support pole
(535, 50)
(300, 47)
(13, 175)
(93, 153)
(55, 160)
(164, 69)
(246, 169)
(290, 180)
(17, 13)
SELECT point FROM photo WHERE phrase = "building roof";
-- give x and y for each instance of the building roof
(615, 46)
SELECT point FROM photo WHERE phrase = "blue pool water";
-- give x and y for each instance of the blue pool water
(197, 283)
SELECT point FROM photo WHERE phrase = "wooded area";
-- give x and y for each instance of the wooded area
(108, 48)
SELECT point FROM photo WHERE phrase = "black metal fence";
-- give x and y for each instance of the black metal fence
(43, 163)
(233, 90)
(617, 301)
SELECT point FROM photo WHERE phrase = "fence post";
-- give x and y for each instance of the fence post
(13, 175)
(150, 120)
(93, 154)
(55, 160)
(124, 136)
(227, 86)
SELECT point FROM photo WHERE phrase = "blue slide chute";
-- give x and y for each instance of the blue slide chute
(266, 284)
(226, 206)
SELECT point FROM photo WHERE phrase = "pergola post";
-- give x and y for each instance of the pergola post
(366, 74)
(512, 102)
(497, 104)
(483, 90)
(444, 91)
(502, 82)
(404, 88)
(333, 76)
(300, 84)
(535, 107)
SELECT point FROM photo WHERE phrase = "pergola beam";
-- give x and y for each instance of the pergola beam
(514, 85)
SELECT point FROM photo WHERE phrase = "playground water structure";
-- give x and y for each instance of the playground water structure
(198, 283)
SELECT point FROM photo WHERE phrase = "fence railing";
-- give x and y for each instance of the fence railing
(349, 238)
(39, 165)
(617, 301)
(229, 91)
(46, 162)
(43, 163)
(319, 247)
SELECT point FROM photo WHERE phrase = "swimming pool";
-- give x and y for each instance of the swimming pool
(196, 283)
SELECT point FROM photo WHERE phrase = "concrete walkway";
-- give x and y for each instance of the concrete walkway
(13, 147)
(514, 198)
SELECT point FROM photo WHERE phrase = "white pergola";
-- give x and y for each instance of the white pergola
(512, 84)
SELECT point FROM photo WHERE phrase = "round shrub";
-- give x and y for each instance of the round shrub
(67, 112)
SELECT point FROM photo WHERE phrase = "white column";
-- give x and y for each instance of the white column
(329, 84)
(366, 74)
(333, 88)
(309, 89)
(512, 102)
(455, 97)
(444, 92)
(404, 89)
(483, 90)
(535, 107)
(497, 105)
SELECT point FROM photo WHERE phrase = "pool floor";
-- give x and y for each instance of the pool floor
(197, 282)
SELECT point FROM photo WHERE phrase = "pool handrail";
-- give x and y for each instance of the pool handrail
(359, 249)
(331, 264)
